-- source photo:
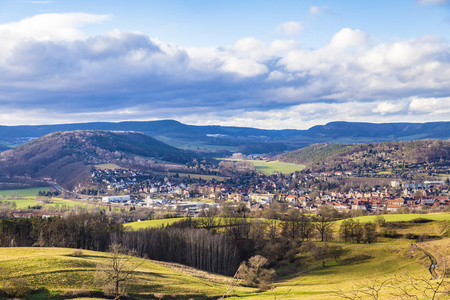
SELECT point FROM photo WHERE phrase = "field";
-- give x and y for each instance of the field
(107, 166)
(270, 167)
(33, 192)
(25, 198)
(152, 223)
(57, 272)
(404, 217)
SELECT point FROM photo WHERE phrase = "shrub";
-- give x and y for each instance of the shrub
(410, 236)
(421, 220)
(77, 253)
(255, 274)
(17, 287)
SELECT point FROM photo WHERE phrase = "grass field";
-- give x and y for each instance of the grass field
(33, 192)
(270, 167)
(107, 166)
(25, 198)
(57, 272)
(403, 217)
(152, 223)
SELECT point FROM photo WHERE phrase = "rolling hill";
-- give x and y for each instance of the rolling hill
(68, 157)
(332, 155)
(244, 139)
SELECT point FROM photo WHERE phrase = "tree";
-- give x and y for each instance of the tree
(116, 274)
(255, 274)
(324, 221)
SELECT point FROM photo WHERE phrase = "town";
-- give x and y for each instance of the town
(181, 194)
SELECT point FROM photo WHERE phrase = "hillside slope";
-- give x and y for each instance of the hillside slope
(332, 155)
(249, 139)
(68, 157)
(59, 275)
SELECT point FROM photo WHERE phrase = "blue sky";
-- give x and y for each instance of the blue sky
(267, 64)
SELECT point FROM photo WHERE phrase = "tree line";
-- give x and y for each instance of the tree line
(209, 243)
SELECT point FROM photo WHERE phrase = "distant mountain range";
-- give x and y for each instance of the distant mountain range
(243, 139)
(68, 157)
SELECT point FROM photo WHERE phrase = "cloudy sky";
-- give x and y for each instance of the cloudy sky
(266, 64)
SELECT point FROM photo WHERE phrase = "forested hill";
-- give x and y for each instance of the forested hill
(330, 156)
(243, 139)
(68, 157)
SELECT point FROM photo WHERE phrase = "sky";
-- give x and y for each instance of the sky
(266, 64)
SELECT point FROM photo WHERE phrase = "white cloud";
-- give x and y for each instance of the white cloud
(430, 105)
(51, 27)
(348, 37)
(244, 67)
(435, 2)
(290, 28)
(131, 75)
(248, 47)
(390, 107)
(315, 10)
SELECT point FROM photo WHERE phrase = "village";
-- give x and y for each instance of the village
(307, 192)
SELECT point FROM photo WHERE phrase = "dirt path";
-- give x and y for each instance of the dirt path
(433, 261)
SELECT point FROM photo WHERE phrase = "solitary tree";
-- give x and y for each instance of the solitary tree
(116, 273)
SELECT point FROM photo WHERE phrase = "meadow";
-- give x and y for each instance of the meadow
(270, 167)
(403, 217)
(152, 223)
(60, 275)
(24, 198)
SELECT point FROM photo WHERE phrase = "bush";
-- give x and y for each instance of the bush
(255, 274)
(421, 220)
(77, 253)
(410, 236)
(17, 287)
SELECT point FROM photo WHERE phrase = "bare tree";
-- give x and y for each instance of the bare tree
(369, 289)
(118, 271)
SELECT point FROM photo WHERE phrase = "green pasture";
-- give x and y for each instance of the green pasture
(270, 167)
(107, 166)
(152, 223)
(402, 217)
(32, 192)
(25, 198)
(57, 272)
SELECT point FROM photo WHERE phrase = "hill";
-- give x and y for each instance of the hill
(244, 139)
(330, 156)
(68, 157)
(56, 273)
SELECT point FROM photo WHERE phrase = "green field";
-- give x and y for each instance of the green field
(270, 167)
(33, 192)
(152, 223)
(403, 217)
(25, 198)
(57, 272)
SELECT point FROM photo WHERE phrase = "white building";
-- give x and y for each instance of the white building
(116, 199)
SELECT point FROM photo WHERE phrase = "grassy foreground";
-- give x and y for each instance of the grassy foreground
(61, 275)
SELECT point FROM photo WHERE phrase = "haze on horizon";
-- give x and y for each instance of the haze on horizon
(265, 64)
